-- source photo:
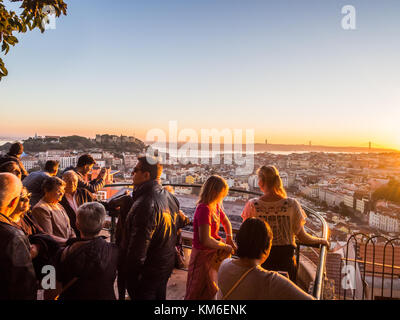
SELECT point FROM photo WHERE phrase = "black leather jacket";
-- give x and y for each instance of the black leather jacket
(17, 276)
(150, 234)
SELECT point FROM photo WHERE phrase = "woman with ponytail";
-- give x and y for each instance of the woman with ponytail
(286, 218)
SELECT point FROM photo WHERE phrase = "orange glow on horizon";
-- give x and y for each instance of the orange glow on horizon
(330, 138)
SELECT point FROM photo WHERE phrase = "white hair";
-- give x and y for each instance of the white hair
(90, 217)
(70, 173)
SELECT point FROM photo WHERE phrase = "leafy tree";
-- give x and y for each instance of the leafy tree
(33, 16)
(390, 192)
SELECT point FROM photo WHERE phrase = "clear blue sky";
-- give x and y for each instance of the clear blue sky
(284, 68)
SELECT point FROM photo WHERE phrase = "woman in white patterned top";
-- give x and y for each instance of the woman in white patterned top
(285, 217)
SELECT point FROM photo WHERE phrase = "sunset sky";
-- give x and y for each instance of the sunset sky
(286, 69)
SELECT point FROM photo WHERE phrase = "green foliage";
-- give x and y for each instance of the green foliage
(389, 192)
(32, 17)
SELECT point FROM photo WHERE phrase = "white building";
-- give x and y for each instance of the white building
(385, 221)
(129, 160)
(253, 181)
(361, 205)
(309, 191)
(30, 162)
(348, 200)
(230, 182)
(101, 163)
(285, 179)
(96, 155)
(332, 198)
(67, 161)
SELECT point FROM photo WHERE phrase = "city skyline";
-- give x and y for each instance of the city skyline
(287, 70)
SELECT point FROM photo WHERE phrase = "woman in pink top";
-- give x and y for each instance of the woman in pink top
(286, 218)
(208, 250)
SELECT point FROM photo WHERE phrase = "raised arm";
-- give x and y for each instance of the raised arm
(92, 186)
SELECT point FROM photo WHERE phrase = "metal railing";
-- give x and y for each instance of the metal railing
(364, 265)
(320, 272)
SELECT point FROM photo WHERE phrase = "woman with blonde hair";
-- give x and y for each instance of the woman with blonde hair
(286, 218)
(208, 250)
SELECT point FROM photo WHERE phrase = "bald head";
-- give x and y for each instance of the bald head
(71, 180)
(10, 190)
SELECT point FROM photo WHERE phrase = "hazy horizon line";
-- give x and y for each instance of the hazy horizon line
(15, 138)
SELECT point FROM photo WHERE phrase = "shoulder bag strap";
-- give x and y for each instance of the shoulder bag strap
(238, 282)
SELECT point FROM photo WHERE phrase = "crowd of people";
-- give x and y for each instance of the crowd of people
(50, 221)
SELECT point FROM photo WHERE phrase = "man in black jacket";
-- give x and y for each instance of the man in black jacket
(17, 275)
(150, 234)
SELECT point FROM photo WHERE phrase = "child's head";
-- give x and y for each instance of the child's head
(90, 218)
(215, 189)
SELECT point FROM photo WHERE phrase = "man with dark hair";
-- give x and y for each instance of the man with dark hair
(14, 154)
(148, 243)
(17, 275)
(83, 167)
(34, 181)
